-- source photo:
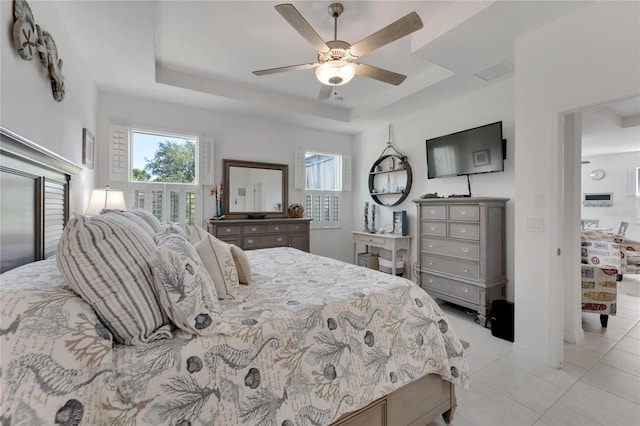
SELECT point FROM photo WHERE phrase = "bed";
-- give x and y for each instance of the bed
(310, 341)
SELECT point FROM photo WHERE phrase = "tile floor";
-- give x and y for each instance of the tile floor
(598, 385)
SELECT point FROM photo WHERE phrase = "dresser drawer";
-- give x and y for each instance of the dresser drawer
(434, 212)
(297, 227)
(460, 268)
(254, 229)
(463, 249)
(231, 240)
(464, 212)
(453, 288)
(221, 230)
(281, 228)
(370, 239)
(437, 229)
(466, 231)
(264, 241)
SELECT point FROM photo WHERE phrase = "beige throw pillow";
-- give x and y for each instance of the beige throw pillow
(218, 260)
(241, 260)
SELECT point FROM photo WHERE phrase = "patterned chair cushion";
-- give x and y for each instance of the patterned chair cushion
(184, 288)
(105, 261)
(599, 290)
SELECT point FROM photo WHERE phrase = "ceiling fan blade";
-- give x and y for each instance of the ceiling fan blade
(297, 21)
(385, 76)
(325, 92)
(392, 32)
(285, 69)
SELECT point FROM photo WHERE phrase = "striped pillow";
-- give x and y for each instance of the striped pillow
(105, 261)
(184, 288)
(148, 217)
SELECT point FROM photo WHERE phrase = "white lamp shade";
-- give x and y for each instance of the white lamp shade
(108, 199)
(335, 73)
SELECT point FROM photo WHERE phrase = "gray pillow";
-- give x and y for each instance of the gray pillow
(105, 260)
(184, 288)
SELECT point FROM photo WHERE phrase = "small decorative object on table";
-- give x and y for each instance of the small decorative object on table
(219, 211)
(373, 219)
(366, 217)
(296, 211)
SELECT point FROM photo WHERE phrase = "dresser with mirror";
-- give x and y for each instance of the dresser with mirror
(256, 210)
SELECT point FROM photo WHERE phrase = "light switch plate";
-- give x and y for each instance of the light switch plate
(535, 224)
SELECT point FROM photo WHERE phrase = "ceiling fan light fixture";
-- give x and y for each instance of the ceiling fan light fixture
(335, 73)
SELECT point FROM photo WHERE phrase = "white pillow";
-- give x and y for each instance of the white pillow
(184, 288)
(104, 260)
(243, 267)
(217, 258)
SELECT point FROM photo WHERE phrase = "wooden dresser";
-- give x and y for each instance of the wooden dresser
(251, 234)
(461, 250)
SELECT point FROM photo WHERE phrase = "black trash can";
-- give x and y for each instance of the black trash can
(502, 319)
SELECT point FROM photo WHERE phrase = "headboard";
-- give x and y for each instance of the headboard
(34, 199)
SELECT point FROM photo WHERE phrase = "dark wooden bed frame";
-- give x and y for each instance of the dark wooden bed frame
(35, 207)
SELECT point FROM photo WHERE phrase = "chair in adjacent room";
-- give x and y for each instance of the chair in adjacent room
(623, 227)
(589, 223)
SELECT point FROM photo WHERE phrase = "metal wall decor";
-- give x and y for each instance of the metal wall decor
(29, 39)
(390, 177)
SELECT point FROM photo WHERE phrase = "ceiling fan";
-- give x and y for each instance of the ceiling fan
(336, 63)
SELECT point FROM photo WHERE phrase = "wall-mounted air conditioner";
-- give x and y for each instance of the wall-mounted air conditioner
(601, 199)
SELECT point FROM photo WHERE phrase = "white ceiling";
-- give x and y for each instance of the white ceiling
(202, 53)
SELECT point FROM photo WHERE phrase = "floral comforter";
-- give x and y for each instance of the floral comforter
(310, 339)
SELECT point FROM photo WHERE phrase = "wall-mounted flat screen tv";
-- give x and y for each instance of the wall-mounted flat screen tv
(469, 152)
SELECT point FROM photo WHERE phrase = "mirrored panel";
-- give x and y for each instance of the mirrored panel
(254, 188)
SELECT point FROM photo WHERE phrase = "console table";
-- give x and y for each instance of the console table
(391, 242)
(251, 234)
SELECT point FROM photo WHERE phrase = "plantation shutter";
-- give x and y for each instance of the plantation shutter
(206, 161)
(346, 173)
(119, 153)
(299, 181)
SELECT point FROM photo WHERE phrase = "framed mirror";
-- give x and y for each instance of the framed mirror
(254, 189)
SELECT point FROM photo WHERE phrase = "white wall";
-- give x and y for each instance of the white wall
(589, 57)
(27, 106)
(409, 134)
(620, 171)
(235, 137)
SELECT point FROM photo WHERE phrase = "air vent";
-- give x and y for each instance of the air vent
(495, 71)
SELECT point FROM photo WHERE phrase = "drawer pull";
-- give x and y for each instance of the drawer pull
(228, 230)
(432, 212)
(462, 230)
(465, 249)
(430, 245)
(431, 280)
(466, 290)
(250, 241)
(279, 240)
(431, 263)
(466, 269)
(463, 212)
(277, 228)
(433, 228)
(253, 229)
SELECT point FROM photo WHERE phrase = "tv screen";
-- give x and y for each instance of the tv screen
(477, 150)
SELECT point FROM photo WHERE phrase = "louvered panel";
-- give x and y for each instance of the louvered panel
(346, 173)
(54, 215)
(119, 148)
(299, 169)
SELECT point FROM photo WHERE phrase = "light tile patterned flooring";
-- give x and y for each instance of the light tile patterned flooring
(598, 385)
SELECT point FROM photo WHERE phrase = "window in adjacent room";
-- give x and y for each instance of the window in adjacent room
(325, 176)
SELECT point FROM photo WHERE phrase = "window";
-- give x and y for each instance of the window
(162, 172)
(325, 176)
